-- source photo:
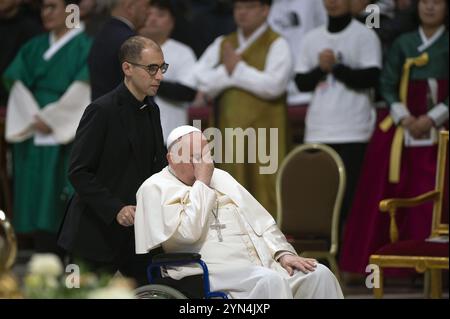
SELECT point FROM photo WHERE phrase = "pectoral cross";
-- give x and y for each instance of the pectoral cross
(217, 226)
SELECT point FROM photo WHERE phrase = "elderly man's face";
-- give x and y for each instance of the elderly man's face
(182, 154)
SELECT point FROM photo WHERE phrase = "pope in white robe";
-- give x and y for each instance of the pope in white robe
(190, 206)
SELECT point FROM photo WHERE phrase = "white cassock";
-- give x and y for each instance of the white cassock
(241, 256)
(181, 60)
(293, 19)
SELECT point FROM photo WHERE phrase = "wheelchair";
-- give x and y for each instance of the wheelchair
(191, 287)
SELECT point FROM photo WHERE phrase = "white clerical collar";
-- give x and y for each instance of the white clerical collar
(245, 43)
(126, 21)
(426, 43)
(56, 45)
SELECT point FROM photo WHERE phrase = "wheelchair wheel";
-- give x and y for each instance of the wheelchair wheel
(158, 292)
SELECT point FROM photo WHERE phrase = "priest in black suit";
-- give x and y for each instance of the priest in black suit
(118, 145)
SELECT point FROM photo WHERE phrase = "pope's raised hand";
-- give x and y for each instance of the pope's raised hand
(203, 165)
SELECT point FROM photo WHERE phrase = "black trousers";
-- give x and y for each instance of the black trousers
(352, 155)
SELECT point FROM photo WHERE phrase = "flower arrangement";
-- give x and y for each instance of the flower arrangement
(46, 279)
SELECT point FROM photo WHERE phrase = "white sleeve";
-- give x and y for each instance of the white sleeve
(64, 115)
(439, 114)
(398, 112)
(305, 63)
(276, 242)
(273, 80)
(208, 75)
(194, 217)
(21, 109)
(185, 65)
(369, 51)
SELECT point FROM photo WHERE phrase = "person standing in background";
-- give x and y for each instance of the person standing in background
(49, 90)
(158, 27)
(340, 62)
(127, 16)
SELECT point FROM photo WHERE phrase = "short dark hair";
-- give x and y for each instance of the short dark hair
(132, 48)
(67, 2)
(164, 5)
(267, 2)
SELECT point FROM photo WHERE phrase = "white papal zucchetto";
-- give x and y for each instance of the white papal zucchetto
(180, 132)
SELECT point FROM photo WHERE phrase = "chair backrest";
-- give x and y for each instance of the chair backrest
(310, 187)
(440, 211)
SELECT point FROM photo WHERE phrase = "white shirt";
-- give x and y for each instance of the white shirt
(293, 19)
(338, 114)
(181, 60)
(212, 78)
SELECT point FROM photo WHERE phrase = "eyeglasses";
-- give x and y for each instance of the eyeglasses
(152, 69)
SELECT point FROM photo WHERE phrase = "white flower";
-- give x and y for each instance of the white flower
(46, 265)
(111, 293)
(51, 282)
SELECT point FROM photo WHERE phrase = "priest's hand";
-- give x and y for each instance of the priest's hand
(40, 126)
(327, 60)
(126, 216)
(230, 57)
(292, 262)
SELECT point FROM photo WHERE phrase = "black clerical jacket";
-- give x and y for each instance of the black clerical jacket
(118, 145)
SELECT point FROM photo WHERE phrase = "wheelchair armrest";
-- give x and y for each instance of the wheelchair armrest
(176, 258)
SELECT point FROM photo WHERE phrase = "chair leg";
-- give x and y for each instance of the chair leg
(436, 283)
(335, 268)
(378, 292)
(427, 283)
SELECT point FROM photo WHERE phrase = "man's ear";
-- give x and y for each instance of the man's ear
(126, 68)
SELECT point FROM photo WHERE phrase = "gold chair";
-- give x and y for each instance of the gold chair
(310, 187)
(429, 255)
(9, 287)
(5, 191)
